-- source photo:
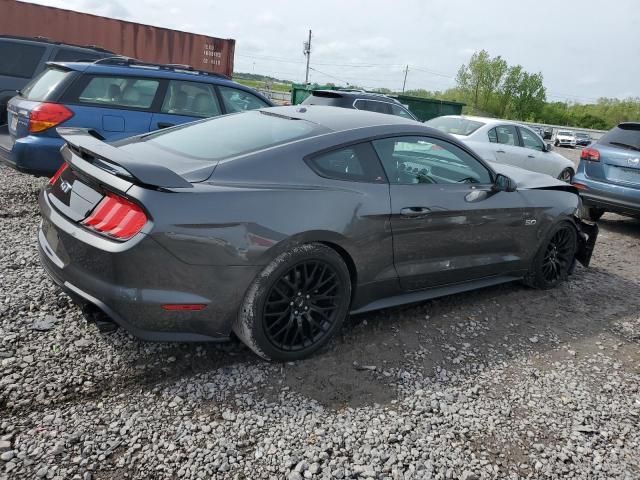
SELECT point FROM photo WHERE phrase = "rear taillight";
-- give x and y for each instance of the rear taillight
(47, 115)
(116, 217)
(56, 175)
(590, 154)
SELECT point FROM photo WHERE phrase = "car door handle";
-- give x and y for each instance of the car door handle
(165, 124)
(531, 156)
(414, 212)
(500, 151)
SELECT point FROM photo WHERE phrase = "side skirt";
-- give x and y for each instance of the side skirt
(422, 295)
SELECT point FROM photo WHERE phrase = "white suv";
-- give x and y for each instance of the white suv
(565, 138)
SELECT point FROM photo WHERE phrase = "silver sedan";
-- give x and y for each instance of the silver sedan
(506, 142)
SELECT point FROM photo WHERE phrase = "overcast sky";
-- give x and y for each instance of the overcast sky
(585, 48)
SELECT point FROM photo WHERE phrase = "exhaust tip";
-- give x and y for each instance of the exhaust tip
(101, 320)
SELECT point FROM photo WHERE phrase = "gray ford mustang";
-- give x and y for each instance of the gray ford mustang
(276, 224)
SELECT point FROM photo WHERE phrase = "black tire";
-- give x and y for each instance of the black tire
(296, 304)
(556, 143)
(555, 258)
(566, 175)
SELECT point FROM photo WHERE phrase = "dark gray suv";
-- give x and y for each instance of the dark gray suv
(372, 102)
(21, 59)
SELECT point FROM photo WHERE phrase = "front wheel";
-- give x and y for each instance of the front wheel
(296, 304)
(556, 256)
(566, 175)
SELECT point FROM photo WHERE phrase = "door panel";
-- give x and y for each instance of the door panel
(448, 225)
(467, 233)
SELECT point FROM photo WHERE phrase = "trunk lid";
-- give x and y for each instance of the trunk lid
(93, 168)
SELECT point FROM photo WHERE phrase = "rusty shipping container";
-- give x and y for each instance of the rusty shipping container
(144, 42)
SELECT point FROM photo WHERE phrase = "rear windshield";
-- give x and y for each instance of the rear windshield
(455, 125)
(232, 135)
(41, 86)
(19, 59)
(623, 136)
(582, 135)
(323, 98)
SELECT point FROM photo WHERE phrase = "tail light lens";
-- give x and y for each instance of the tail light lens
(590, 154)
(116, 217)
(47, 115)
(56, 175)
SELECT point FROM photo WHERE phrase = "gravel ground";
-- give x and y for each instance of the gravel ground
(506, 382)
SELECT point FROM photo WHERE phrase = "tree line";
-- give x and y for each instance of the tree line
(490, 86)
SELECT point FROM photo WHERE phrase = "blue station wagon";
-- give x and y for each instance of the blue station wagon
(114, 98)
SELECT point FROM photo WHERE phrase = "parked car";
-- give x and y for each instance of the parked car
(608, 175)
(547, 133)
(539, 131)
(372, 102)
(506, 142)
(583, 139)
(276, 223)
(21, 59)
(565, 138)
(115, 98)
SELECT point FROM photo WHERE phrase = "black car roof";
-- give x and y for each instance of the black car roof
(45, 40)
(337, 119)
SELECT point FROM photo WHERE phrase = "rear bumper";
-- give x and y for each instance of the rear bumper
(34, 155)
(609, 196)
(130, 284)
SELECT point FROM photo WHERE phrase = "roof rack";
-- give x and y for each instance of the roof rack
(54, 42)
(133, 62)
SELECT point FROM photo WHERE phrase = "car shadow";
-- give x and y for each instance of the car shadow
(377, 353)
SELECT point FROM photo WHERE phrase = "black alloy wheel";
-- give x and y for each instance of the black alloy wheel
(296, 304)
(559, 255)
(302, 305)
(555, 258)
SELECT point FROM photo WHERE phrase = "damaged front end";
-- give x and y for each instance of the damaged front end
(587, 235)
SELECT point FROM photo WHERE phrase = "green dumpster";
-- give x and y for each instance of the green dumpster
(428, 108)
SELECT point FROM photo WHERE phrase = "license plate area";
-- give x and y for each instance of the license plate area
(624, 175)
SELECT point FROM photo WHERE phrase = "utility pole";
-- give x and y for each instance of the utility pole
(307, 52)
(404, 84)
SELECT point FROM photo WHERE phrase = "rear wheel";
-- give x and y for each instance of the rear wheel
(296, 304)
(566, 175)
(554, 260)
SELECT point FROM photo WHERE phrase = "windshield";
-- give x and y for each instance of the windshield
(566, 133)
(455, 125)
(232, 135)
(628, 135)
(41, 86)
(582, 135)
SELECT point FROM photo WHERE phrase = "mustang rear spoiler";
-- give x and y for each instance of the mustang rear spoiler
(115, 161)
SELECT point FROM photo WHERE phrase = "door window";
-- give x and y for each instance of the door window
(191, 99)
(401, 112)
(19, 59)
(506, 135)
(119, 91)
(238, 100)
(357, 163)
(413, 160)
(531, 140)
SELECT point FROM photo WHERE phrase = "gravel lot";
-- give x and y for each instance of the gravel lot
(507, 382)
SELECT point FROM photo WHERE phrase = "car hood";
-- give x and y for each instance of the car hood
(526, 179)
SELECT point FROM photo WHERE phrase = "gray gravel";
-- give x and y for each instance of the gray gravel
(507, 382)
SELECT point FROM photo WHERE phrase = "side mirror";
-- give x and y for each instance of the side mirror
(548, 147)
(503, 183)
